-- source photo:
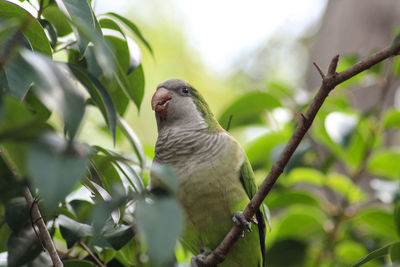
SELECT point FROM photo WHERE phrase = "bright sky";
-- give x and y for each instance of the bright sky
(223, 29)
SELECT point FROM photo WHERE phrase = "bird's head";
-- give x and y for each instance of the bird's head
(176, 102)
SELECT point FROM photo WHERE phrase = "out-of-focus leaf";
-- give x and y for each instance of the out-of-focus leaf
(10, 187)
(349, 251)
(259, 151)
(134, 141)
(100, 95)
(55, 167)
(289, 198)
(106, 172)
(80, 11)
(385, 163)
(19, 76)
(72, 231)
(160, 224)
(378, 222)
(78, 263)
(127, 254)
(56, 91)
(305, 175)
(277, 255)
(118, 95)
(136, 78)
(23, 248)
(36, 107)
(17, 214)
(392, 119)
(120, 50)
(33, 30)
(248, 108)
(133, 28)
(120, 236)
(394, 252)
(165, 177)
(303, 224)
(5, 233)
(374, 255)
(396, 216)
(54, 15)
(345, 187)
(51, 32)
(106, 254)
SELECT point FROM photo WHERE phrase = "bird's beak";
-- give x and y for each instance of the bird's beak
(160, 100)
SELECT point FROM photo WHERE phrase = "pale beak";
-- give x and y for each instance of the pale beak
(160, 100)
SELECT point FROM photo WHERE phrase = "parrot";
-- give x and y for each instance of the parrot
(215, 178)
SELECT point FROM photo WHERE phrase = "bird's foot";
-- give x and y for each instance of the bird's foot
(240, 220)
(198, 261)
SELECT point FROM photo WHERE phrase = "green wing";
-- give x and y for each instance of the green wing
(248, 181)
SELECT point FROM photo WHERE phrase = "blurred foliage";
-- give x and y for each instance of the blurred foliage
(336, 204)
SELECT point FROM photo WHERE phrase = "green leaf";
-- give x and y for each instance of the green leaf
(379, 222)
(136, 79)
(374, 255)
(23, 248)
(305, 175)
(160, 225)
(19, 84)
(165, 177)
(301, 224)
(5, 233)
(33, 31)
(385, 163)
(277, 254)
(260, 150)
(81, 12)
(100, 95)
(348, 251)
(55, 167)
(78, 263)
(120, 236)
(396, 216)
(392, 119)
(127, 254)
(248, 108)
(120, 50)
(134, 141)
(54, 15)
(51, 32)
(394, 252)
(289, 198)
(17, 214)
(57, 91)
(106, 173)
(72, 231)
(135, 30)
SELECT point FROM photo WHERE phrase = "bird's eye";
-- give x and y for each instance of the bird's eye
(185, 90)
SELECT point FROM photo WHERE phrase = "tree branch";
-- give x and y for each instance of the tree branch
(44, 233)
(329, 82)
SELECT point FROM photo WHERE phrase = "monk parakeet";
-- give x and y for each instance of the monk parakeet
(214, 175)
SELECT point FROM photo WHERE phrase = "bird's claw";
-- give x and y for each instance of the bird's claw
(240, 220)
(198, 261)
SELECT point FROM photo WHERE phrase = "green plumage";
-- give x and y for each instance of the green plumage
(214, 175)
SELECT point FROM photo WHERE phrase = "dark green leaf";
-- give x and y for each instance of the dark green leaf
(133, 28)
(120, 236)
(33, 30)
(17, 214)
(5, 233)
(396, 216)
(51, 32)
(277, 255)
(81, 12)
(160, 224)
(78, 263)
(55, 167)
(54, 15)
(136, 78)
(134, 141)
(120, 51)
(100, 95)
(23, 248)
(57, 91)
(106, 173)
(19, 84)
(248, 108)
(72, 231)
(127, 254)
(165, 177)
(374, 255)
(394, 252)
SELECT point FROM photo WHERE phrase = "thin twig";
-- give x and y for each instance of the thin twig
(44, 233)
(229, 123)
(88, 250)
(319, 70)
(331, 80)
